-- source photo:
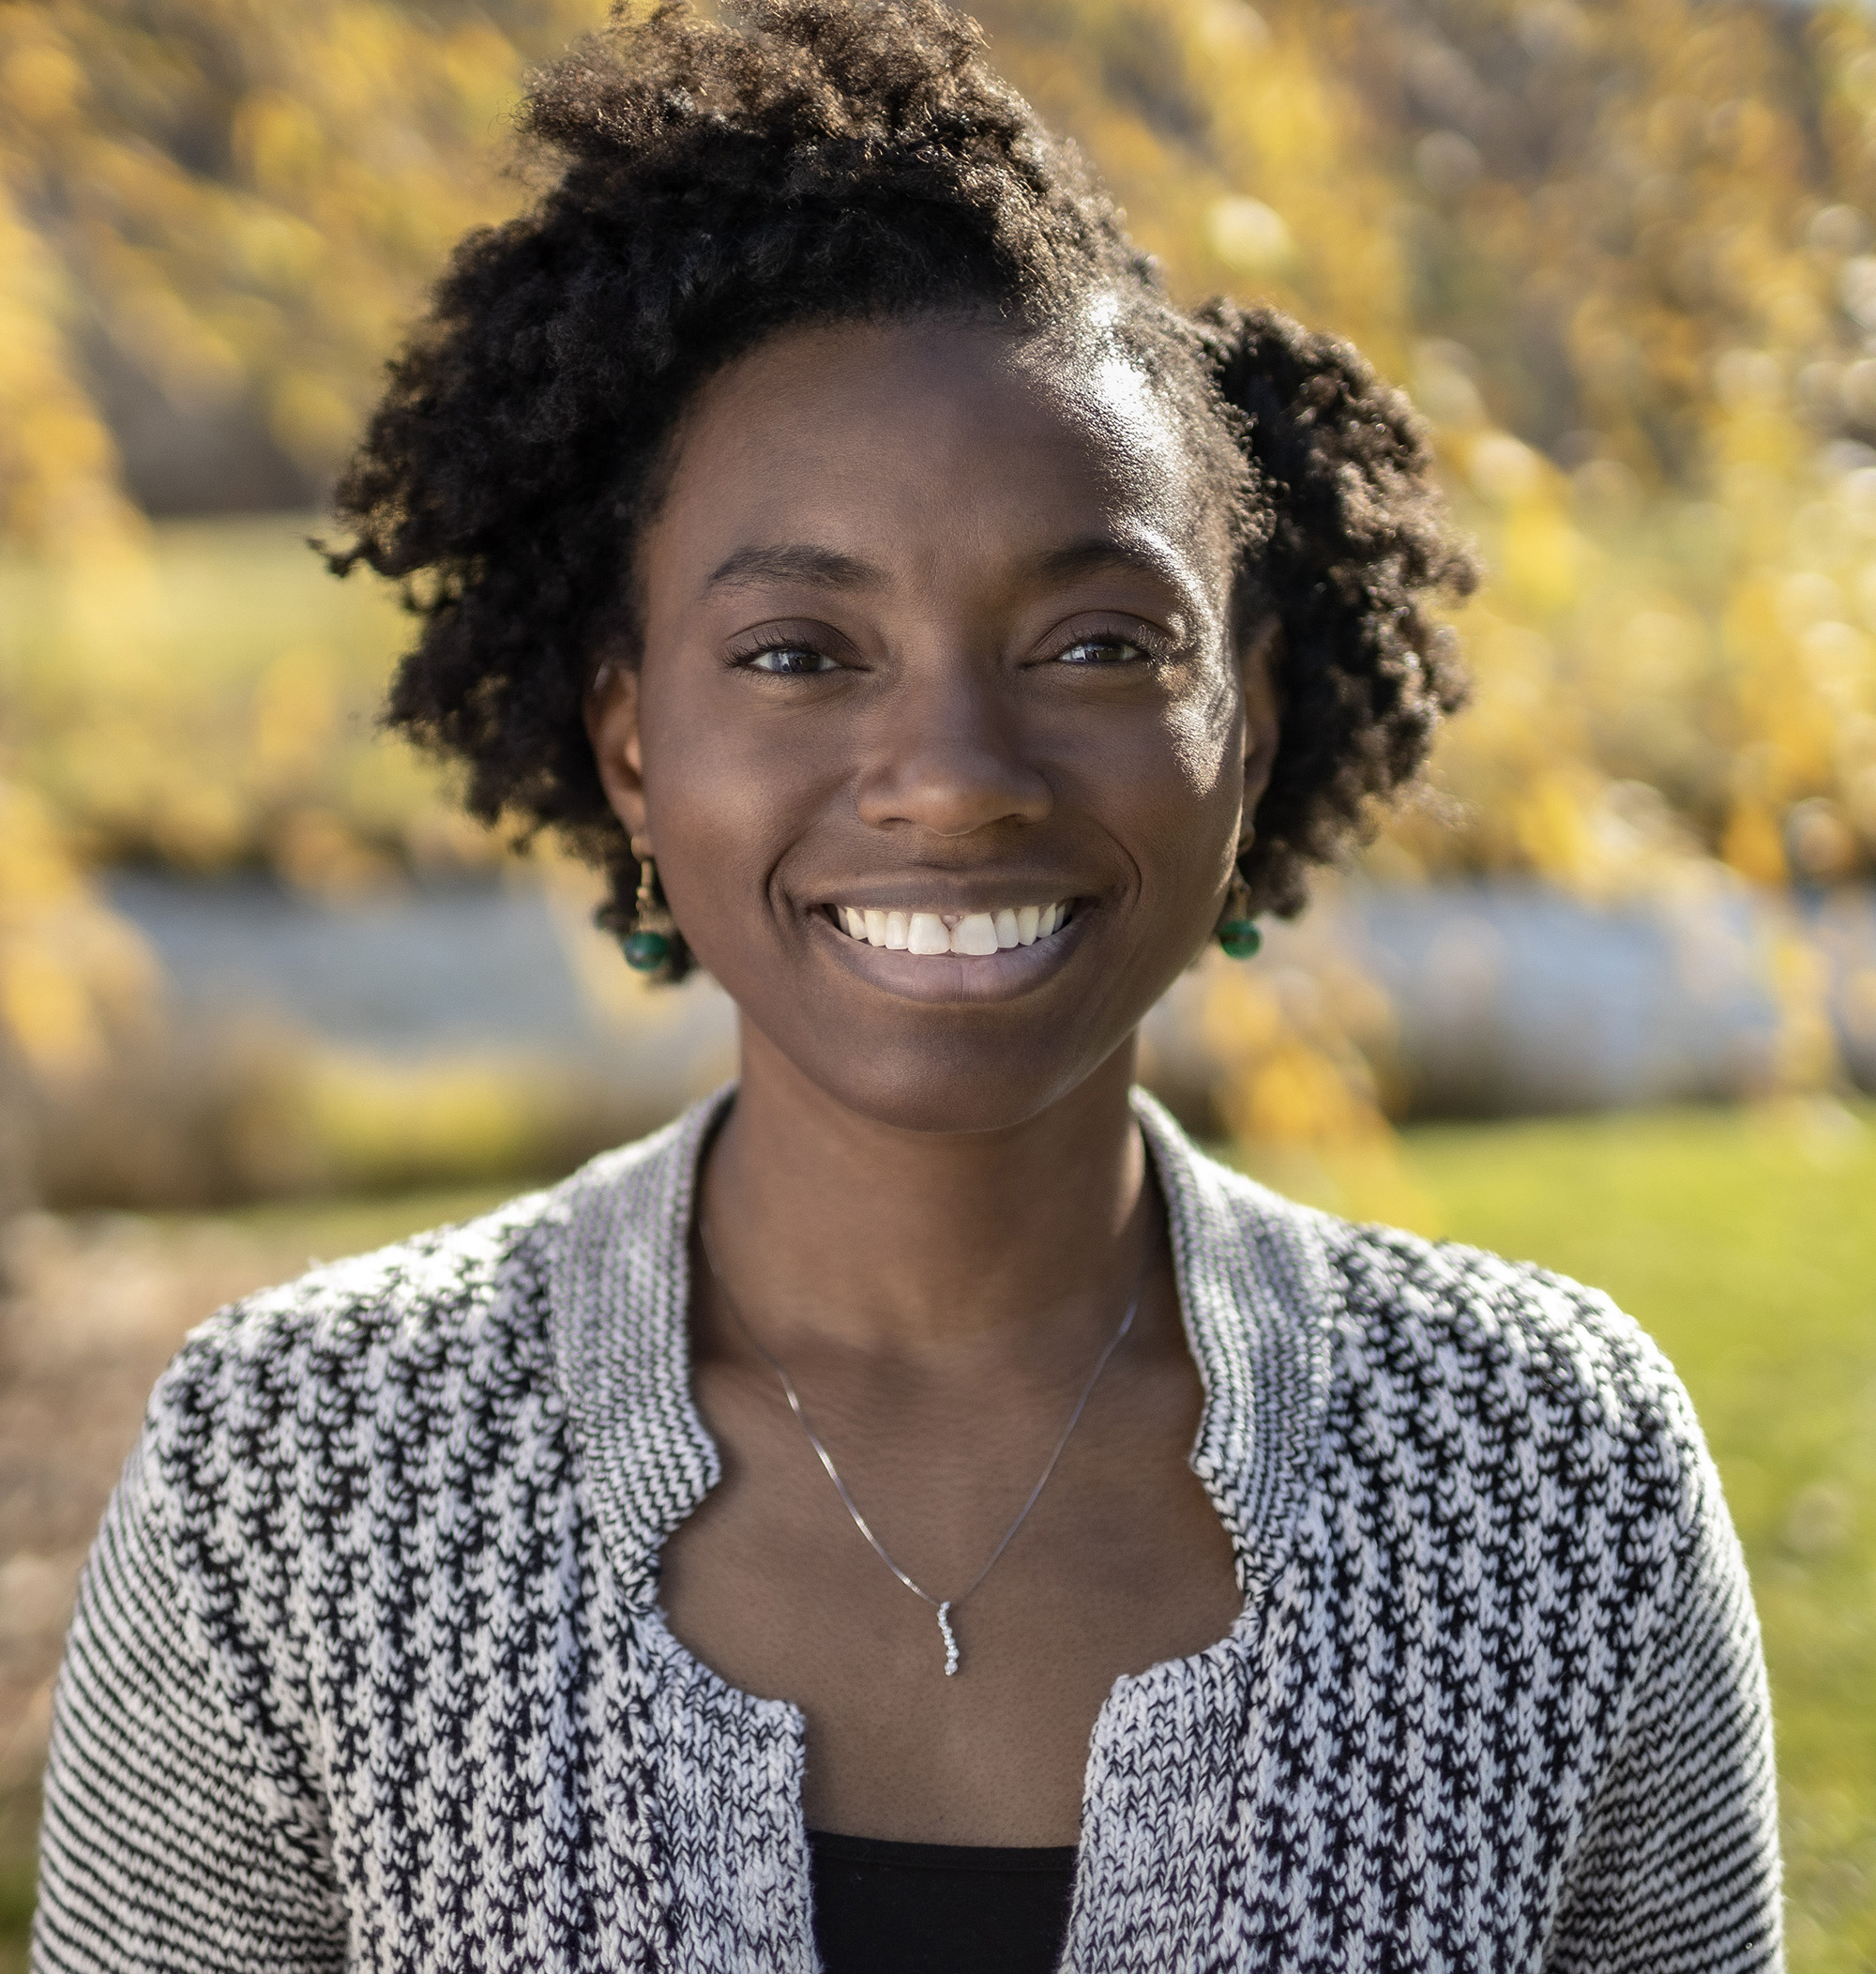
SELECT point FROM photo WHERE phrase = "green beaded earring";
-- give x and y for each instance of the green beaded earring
(653, 939)
(1237, 933)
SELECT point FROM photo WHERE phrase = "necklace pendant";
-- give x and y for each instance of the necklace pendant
(951, 1659)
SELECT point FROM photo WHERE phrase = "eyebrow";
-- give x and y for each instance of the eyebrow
(1099, 552)
(794, 562)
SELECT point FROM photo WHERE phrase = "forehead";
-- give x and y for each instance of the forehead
(942, 441)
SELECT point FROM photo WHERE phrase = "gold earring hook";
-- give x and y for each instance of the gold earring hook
(652, 943)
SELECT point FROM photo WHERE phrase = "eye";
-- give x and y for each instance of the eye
(1107, 650)
(788, 661)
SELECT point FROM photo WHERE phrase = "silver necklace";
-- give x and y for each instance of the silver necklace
(943, 1606)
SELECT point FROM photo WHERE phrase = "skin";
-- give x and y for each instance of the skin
(935, 617)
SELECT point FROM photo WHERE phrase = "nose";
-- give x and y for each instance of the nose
(947, 756)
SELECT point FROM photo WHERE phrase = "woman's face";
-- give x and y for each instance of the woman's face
(936, 647)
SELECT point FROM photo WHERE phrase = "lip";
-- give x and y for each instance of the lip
(957, 979)
(923, 895)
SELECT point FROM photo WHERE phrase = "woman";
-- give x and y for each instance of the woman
(917, 1511)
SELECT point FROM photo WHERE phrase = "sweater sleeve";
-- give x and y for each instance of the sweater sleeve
(168, 1841)
(1677, 1871)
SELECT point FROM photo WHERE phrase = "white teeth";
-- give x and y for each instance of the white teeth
(928, 934)
(975, 934)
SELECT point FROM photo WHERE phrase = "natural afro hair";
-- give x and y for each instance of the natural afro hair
(838, 159)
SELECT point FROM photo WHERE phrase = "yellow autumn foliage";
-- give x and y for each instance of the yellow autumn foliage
(1620, 254)
(73, 977)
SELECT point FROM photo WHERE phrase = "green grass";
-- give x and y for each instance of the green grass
(16, 1911)
(1745, 1242)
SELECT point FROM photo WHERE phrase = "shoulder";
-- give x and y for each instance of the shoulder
(445, 1293)
(1522, 1400)
(1439, 1358)
(369, 1358)
(360, 1363)
(450, 1295)
(1429, 1321)
(1499, 1445)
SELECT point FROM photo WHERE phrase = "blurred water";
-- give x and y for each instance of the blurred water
(437, 967)
(1509, 998)
(1520, 998)
(504, 970)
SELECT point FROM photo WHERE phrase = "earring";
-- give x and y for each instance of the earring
(1236, 933)
(653, 938)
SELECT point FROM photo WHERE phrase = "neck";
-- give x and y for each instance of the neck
(829, 1226)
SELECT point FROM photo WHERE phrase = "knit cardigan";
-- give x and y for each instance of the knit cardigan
(368, 1669)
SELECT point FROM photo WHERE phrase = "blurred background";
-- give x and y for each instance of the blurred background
(1606, 997)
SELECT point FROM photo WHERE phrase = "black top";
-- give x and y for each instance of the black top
(938, 1909)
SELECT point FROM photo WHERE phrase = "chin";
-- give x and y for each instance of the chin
(953, 1084)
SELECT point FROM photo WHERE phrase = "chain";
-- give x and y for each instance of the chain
(944, 1607)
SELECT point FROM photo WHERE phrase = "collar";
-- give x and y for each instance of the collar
(1256, 1288)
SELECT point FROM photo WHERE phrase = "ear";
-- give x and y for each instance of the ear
(611, 715)
(1260, 657)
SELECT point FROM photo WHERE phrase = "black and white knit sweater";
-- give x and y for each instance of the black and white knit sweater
(368, 1670)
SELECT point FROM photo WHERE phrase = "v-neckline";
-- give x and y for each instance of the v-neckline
(1259, 1301)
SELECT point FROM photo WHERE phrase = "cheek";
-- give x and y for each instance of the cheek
(1203, 732)
(708, 805)
(1187, 781)
(1192, 836)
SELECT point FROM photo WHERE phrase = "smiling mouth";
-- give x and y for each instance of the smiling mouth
(975, 934)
